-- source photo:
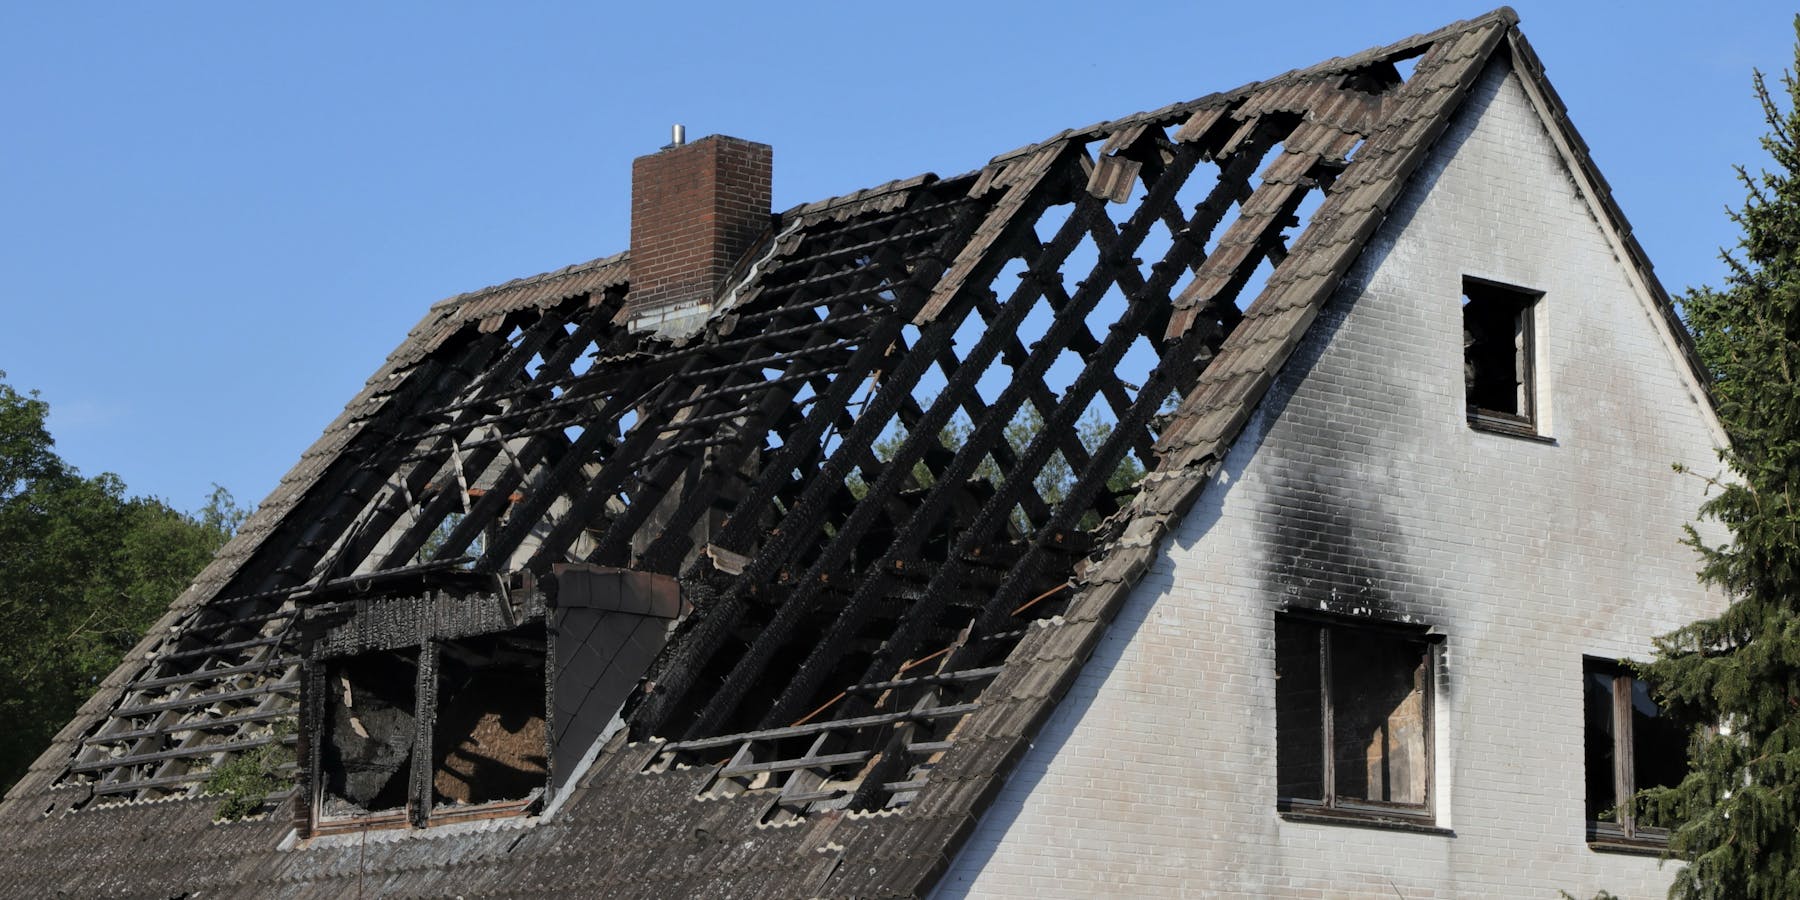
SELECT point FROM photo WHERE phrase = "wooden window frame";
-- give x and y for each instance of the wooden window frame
(1524, 422)
(1335, 808)
(1624, 835)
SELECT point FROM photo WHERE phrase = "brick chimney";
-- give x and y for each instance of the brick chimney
(695, 210)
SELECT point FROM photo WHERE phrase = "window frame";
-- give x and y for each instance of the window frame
(1526, 421)
(1332, 807)
(422, 808)
(1625, 834)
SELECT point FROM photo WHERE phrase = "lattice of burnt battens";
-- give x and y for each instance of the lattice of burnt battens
(883, 423)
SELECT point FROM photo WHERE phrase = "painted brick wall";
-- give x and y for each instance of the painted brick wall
(1156, 775)
(695, 210)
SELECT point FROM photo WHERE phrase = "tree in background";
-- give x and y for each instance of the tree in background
(1736, 817)
(86, 570)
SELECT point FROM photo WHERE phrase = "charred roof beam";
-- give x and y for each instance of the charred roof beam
(992, 428)
(912, 627)
(921, 290)
(935, 338)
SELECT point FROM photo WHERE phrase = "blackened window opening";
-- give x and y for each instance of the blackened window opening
(489, 743)
(426, 734)
(368, 735)
(1353, 718)
(1497, 354)
(1631, 745)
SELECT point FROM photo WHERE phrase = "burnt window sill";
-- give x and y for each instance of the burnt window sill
(384, 821)
(1511, 426)
(1612, 840)
(1358, 818)
(396, 820)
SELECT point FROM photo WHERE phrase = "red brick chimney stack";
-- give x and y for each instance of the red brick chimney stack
(695, 210)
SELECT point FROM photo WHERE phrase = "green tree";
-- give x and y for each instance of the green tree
(87, 570)
(1736, 817)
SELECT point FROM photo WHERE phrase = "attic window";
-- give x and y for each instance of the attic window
(1353, 716)
(1498, 351)
(430, 734)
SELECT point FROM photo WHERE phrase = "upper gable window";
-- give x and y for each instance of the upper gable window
(1631, 745)
(1352, 719)
(1498, 352)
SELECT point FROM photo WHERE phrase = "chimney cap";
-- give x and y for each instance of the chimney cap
(677, 136)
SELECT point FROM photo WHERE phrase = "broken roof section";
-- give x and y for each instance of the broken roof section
(907, 469)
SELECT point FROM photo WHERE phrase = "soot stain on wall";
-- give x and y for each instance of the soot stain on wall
(1326, 552)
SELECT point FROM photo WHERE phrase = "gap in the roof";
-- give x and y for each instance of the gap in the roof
(582, 363)
(1063, 370)
(1212, 240)
(1405, 66)
(1157, 243)
(1134, 367)
(1259, 278)
(1080, 264)
(1303, 214)
(931, 383)
(1052, 219)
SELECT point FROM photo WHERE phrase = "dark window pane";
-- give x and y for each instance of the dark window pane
(1299, 717)
(1602, 800)
(1496, 349)
(1378, 718)
(1658, 742)
(1488, 357)
(367, 744)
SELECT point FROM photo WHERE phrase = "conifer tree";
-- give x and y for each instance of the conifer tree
(1736, 817)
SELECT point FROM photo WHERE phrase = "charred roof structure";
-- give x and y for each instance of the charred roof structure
(754, 572)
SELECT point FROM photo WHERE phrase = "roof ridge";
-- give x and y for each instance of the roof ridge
(541, 277)
(827, 204)
(1502, 14)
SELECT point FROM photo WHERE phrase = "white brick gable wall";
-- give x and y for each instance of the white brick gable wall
(1359, 487)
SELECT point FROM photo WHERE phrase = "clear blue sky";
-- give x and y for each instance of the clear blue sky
(216, 219)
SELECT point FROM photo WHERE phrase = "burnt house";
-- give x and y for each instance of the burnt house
(1251, 496)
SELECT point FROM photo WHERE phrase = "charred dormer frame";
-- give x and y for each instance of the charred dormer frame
(447, 695)
(377, 689)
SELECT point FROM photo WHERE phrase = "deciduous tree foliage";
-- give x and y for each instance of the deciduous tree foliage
(84, 570)
(1736, 816)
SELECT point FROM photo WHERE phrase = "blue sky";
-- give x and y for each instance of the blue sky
(217, 219)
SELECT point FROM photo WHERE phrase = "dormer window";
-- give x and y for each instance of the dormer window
(433, 733)
(455, 700)
(1498, 354)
